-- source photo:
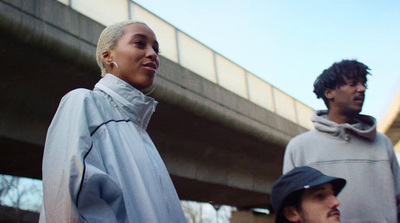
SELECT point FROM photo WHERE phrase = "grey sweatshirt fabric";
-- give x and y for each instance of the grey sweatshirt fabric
(99, 163)
(357, 153)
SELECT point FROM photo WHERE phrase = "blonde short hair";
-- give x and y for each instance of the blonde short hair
(108, 40)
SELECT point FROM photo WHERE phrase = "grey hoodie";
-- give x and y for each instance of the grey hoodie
(357, 153)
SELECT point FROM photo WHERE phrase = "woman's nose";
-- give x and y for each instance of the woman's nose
(151, 53)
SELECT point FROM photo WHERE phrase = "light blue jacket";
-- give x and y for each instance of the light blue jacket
(99, 163)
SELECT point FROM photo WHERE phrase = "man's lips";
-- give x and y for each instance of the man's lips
(334, 213)
(359, 99)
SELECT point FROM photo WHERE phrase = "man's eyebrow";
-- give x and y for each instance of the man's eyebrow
(317, 188)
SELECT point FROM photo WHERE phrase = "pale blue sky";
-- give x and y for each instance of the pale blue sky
(289, 43)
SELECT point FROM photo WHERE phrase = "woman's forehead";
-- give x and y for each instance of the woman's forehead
(139, 28)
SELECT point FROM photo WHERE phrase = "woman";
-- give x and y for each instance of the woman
(99, 164)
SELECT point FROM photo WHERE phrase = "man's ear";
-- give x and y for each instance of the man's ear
(106, 57)
(329, 93)
(291, 214)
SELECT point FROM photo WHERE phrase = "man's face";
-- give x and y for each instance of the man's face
(348, 99)
(318, 205)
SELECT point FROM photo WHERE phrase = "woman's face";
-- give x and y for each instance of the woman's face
(136, 54)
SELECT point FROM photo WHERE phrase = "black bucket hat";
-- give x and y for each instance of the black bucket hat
(300, 178)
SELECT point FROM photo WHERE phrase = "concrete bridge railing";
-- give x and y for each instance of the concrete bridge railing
(180, 47)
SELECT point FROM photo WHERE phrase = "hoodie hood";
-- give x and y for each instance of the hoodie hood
(365, 126)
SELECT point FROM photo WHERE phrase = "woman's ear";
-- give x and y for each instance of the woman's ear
(291, 214)
(106, 58)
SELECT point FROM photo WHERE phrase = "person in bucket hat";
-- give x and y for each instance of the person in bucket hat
(304, 194)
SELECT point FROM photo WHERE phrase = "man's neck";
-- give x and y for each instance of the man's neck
(340, 118)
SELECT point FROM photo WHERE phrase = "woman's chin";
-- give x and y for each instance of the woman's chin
(148, 90)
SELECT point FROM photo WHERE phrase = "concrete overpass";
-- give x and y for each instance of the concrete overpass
(220, 129)
(390, 124)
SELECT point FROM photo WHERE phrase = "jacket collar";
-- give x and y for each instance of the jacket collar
(131, 102)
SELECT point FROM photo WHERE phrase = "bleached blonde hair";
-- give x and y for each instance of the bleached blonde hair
(108, 40)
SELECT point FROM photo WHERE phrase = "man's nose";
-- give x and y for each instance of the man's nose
(334, 202)
(361, 87)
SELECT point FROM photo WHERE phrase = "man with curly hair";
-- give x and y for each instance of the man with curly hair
(346, 144)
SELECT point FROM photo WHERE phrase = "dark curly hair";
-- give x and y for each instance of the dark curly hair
(335, 75)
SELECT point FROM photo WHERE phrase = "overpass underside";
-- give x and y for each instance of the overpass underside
(217, 146)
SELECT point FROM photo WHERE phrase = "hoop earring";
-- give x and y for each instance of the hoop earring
(116, 66)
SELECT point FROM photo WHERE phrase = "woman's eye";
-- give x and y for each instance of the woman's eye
(140, 44)
(156, 50)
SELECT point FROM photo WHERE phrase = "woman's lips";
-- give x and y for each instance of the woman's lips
(151, 67)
